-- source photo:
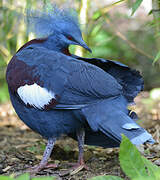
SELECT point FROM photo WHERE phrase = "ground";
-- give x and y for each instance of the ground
(21, 148)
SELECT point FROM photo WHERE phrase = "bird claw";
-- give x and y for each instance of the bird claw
(75, 169)
(78, 167)
(37, 168)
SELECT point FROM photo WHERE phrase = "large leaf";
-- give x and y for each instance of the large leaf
(152, 169)
(155, 177)
(26, 176)
(43, 178)
(5, 178)
(157, 174)
(134, 165)
(23, 177)
(130, 160)
(106, 178)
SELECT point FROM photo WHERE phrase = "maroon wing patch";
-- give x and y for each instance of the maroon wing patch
(21, 80)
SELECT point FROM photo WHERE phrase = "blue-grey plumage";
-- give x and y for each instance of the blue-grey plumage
(56, 93)
(60, 25)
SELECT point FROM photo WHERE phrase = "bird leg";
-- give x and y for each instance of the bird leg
(80, 164)
(43, 164)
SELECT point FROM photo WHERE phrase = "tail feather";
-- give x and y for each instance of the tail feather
(111, 117)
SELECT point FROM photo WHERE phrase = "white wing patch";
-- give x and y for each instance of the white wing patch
(130, 126)
(35, 95)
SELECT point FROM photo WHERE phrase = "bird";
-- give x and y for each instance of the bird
(57, 93)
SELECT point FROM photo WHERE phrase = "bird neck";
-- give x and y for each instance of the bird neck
(49, 43)
(55, 43)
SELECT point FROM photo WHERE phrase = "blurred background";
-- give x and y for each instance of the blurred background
(124, 30)
(108, 28)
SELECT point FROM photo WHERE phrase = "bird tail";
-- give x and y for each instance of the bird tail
(111, 117)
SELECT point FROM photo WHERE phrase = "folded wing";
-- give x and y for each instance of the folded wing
(48, 79)
(129, 79)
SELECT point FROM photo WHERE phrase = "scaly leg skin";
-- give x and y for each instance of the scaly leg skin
(80, 164)
(43, 164)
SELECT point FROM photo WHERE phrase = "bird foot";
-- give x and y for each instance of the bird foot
(76, 167)
(37, 168)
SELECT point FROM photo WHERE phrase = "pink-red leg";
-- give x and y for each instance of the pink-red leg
(43, 164)
(80, 164)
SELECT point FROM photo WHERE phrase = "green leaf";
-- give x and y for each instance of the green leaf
(96, 15)
(23, 177)
(26, 177)
(145, 178)
(130, 160)
(150, 12)
(151, 168)
(134, 165)
(116, 3)
(157, 174)
(156, 58)
(43, 178)
(5, 178)
(96, 29)
(135, 6)
(106, 178)
(155, 177)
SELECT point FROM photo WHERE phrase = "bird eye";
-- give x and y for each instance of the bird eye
(70, 38)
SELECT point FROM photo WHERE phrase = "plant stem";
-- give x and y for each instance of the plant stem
(131, 44)
(83, 18)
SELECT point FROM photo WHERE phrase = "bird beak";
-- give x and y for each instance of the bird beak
(84, 45)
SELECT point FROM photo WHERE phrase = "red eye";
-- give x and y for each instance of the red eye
(70, 38)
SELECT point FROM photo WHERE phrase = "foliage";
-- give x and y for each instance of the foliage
(7, 45)
(157, 57)
(106, 178)
(12, 36)
(26, 177)
(134, 165)
(136, 5)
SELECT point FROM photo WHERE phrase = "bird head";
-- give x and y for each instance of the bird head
(59, 25)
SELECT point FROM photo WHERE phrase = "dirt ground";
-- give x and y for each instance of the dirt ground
(21, 148)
